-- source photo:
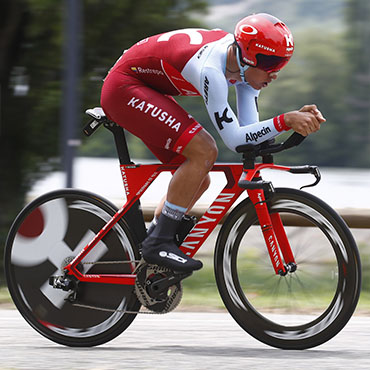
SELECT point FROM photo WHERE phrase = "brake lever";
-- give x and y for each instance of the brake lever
(317, 174)
(313, 170)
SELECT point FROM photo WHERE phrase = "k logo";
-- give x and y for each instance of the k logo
(223, 118)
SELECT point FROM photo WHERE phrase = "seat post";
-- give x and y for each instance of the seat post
(120, 141)
(134, 216)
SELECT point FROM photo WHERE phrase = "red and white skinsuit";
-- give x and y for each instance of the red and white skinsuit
(137, 93)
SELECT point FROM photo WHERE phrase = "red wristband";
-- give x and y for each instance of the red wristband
(279, 123)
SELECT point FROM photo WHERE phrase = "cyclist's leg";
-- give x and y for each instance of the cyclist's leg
(155, 118)
(203, 187)
(168, 129)
(188, 221)
(159, 247)
(201, 154)
(184, 190)
(189, 179)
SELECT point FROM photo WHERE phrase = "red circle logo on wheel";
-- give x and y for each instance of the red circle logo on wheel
(33, 225)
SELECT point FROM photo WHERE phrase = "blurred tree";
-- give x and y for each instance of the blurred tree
(358, 88)
(12, 138)
(31, 40)
(110, 28)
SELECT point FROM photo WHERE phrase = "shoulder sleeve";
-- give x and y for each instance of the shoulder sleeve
(215, 95)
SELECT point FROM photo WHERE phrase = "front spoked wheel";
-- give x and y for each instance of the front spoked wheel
(302, 309)
(46, 236)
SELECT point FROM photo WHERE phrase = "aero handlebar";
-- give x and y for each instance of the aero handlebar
(268, 147)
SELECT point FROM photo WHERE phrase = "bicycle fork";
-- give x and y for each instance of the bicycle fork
(273, 230)
(272, 227)
(274, 234)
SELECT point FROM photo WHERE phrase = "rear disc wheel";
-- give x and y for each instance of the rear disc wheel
(45, 236)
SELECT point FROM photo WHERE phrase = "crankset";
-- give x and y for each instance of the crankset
(158, 288)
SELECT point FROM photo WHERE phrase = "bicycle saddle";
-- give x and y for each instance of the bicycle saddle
(96, 113)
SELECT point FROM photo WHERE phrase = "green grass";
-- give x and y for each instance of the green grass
(363, 307)
(200, 289)
(200, 292)
(4, 296)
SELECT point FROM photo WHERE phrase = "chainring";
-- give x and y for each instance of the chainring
(147, 274)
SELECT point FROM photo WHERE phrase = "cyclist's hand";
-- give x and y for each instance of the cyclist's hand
(305, 121)
(313, 109)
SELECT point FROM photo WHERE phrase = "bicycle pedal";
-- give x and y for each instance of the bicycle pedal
(165, 283)
(182, 275)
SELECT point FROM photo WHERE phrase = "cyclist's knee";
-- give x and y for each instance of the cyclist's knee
(202, 149)
(209, 155)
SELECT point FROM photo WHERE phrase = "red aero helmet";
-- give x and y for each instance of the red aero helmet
(265, 42)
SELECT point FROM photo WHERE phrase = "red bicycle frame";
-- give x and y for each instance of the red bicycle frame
(137, 179)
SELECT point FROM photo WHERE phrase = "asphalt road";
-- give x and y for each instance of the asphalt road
(180, 340)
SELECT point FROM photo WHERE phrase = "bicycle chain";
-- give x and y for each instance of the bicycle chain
(110, 262)
(171, 302)
(116, 310)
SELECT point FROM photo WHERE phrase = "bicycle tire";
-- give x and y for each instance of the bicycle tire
(52, 228)
(302, 309)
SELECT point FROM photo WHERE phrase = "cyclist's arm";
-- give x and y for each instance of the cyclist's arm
(246, 101)
(251, 130)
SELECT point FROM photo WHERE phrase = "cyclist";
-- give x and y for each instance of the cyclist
(137, 94)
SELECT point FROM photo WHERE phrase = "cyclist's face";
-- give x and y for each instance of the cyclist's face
(258, 78)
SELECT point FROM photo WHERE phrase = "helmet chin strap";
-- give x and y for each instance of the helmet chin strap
(242, 69)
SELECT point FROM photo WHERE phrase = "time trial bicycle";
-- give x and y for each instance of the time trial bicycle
(286, 265)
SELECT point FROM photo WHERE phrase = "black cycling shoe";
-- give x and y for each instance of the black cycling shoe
(164, 252)
(150, 228)
(186, 224)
